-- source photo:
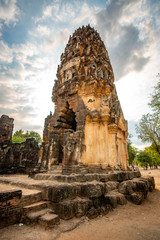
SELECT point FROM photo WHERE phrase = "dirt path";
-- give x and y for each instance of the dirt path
(128, 222)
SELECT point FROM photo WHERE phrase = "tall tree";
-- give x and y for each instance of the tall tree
(148, 129)
(132, 151)
(155, 98)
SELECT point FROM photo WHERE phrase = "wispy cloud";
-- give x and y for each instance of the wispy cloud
(129, 34)
(9, 11)
(43, 30)
(6, 54)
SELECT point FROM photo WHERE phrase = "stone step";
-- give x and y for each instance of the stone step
(68, 209)
(30, 198)
(87, 177)
(71, 178)
(34, 207)
(55, 172)
(56, 168)
(32, 217)
(49, 220)
(43, 176)
(114, 198)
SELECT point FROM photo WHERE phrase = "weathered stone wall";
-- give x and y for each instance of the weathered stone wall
(19, 157)
(88, 125)
(10, 207)
(16, 157)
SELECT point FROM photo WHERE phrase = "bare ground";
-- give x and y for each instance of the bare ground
(128, 222)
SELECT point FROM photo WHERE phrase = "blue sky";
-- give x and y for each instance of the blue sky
(33, 34)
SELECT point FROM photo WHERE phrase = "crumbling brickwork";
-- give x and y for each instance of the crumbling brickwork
(88, 126)
(10, 207)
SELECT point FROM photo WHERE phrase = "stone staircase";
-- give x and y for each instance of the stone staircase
(35, 210)
(45, 217)
(46, 201)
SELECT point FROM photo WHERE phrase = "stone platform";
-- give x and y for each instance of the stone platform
(88, 177)
(64, 197)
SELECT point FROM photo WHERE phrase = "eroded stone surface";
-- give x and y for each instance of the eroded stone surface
(137, 189)
(10, 207)
(72, 208)
(49, 220)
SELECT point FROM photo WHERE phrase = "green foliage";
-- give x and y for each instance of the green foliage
(19, 133)
(20, 136)
(149, 157)
(148, 129)
(17, 139)
(144, 158)
(153, 154)
(132, 152)
(33, 134)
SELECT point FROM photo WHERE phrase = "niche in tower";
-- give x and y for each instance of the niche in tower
(70, 118)
(66, 120)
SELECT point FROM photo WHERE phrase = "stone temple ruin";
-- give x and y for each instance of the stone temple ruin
(88, 127)
(83, 161)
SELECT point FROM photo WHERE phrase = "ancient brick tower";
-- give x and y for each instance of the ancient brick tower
(88, 127)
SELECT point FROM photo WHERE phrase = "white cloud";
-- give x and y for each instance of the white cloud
(24, 61)
(1, 27)
(56, 40)
(86, 12)
(73, 13)
(43, 30)
(48, 11)
(6, 54)
(9, 11)
(25, 50)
